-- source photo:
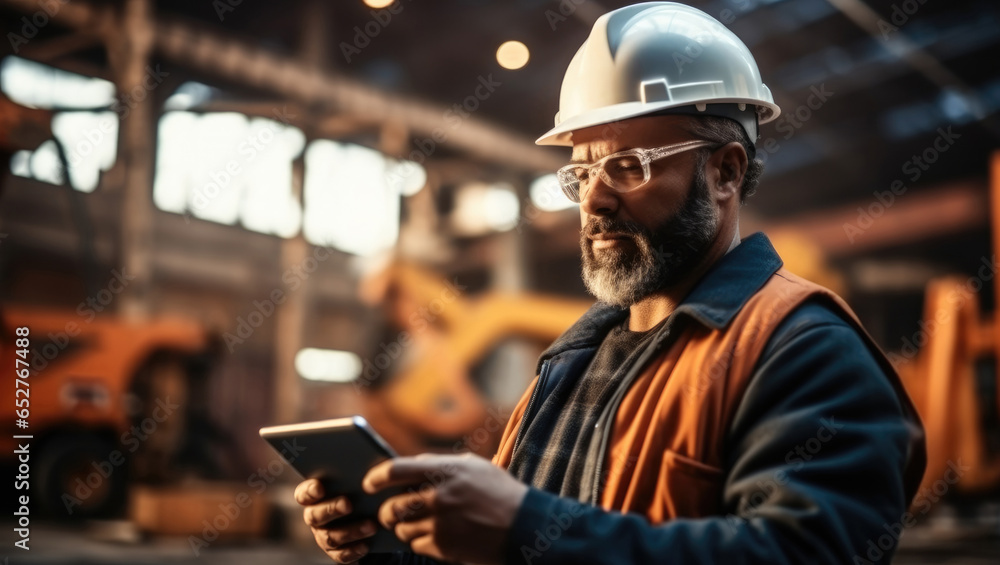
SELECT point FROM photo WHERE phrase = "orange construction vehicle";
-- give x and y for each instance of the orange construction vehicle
(432, 400)
(103, 402)
(953, 377)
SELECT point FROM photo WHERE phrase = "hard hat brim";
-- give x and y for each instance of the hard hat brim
(562, 134)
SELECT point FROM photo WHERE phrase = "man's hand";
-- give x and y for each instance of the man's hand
(343, 544)
(459, 507)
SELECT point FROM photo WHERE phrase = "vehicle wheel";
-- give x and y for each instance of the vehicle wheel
(80, 477)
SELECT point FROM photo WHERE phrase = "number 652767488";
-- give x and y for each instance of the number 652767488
(21, 371)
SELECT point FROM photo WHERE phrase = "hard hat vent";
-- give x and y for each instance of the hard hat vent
(655, 90)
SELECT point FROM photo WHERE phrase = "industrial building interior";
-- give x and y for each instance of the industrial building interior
(273, 212)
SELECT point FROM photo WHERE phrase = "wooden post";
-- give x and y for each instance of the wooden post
(129, 53)
(510, 275)
(290, 319)
(291, 316)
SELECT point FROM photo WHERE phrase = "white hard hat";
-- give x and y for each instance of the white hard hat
(657, 56)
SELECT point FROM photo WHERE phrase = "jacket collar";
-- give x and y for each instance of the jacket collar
(713, 302)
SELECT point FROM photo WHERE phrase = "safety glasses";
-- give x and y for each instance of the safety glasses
(623, 171)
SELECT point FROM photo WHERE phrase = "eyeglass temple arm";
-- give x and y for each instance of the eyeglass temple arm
(674, 149)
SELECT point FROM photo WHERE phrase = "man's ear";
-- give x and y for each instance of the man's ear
(727, 167)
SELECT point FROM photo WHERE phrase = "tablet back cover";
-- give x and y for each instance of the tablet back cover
(339, 452)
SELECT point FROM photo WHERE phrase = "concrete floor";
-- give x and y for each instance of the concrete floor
(63, 545)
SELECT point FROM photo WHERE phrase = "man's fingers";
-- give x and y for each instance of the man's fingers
(336, 538)
(349, 553)
(377, 477)
(309, 492)
(323, 512)
(406, 507)
(403, 471)
(408, 531)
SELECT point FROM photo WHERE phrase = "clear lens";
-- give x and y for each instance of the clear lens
(625, 172)
(621, 173)
(570, 184)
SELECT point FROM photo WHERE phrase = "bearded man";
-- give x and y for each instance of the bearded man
(711, 407)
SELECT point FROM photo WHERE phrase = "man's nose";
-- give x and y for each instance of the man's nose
(597, 198)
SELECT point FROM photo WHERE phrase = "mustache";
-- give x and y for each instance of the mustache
(597, 226)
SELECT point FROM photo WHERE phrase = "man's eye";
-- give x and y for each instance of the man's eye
(625, 165)
(581, 174)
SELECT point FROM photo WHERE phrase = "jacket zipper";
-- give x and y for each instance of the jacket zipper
(612, 407)
(523, 428)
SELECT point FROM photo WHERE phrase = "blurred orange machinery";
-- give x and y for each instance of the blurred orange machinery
(958, 354)
(432, 398)
(108, 402)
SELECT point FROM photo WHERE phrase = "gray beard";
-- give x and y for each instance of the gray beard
(659, 259)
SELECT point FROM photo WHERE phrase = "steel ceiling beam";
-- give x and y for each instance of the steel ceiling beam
(234, 60)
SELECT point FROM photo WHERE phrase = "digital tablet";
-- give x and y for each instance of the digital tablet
(339, 452)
